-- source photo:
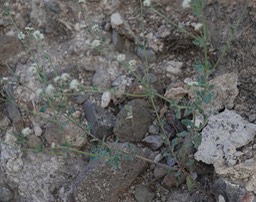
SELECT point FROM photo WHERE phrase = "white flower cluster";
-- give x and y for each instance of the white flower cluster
(186, 4)
(95, 43)
(120, 58)
(38, 35)
(81, 1)
(26, 131)
(95, 28)
(21, 36)
(146, 3)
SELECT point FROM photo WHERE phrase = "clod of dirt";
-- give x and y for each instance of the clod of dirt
(132, 122)
(99, 182)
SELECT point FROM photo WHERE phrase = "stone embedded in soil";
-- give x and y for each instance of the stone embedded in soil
(225, 92)
(13, 112)
(171, 181)
(143, 194)
(101, 79)
(224, 134)
(118, 41)
(176, 93)
(100, 182)
(160, 172)
(101, 121)
(173, 67)
(153, 130)
(121, 26)
(252, 118)
(34, 142)
(6, 194)
(146, 54)
(153, 141)
(65, 132)
(132, 121)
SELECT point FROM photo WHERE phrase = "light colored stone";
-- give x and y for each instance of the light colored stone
(173, 67)
(222, 136)
(176, 93)
(121, 26)
(105, 99)
(225, 92)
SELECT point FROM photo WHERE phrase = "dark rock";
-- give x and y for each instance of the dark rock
(101, 121)
(153, 141)
(143, 194)
(132, 122)
(118, 41)
(101, 79)
(13, 112)
(146, 54)
(6, 194)
(222, 188)
(99, 182)
(171, 181)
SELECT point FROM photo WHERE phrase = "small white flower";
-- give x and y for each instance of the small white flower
(32, 70)
(29, 28)
(197, 26)
(26, 131)
(95, 28)
(65, 77)
(37, 35)
(146, 2)
(95, 43)
(53, 145)
(120, 57)
(74, 84)
(81, 1)
(186, 4)
(132, 62)
(21, 36)
(39, 91)
(49, 89)
(56, 79)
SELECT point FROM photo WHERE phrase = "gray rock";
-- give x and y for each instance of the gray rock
(101, 79)
(101, 121)
(222, 136)
(160, 172)
(6, 194)
(132, 122)
(121, 26)
(171, 181)
(146, 54)
(34, 141)
(143, 194)
(153, 141)
(118, 41)
(252, 118)
(229, 191)
(174, 67)
(13, 112)
(153, 130)
(99, 182)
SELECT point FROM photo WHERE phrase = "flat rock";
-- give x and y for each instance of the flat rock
(101, 121)
(99, 182)
(146, 54)
(132, 121)
(153, 141)
(143, 194)
(224, 134)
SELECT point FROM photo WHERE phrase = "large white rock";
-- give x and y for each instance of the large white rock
(224, 134)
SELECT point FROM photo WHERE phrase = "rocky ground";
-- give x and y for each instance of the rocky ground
(78, 81)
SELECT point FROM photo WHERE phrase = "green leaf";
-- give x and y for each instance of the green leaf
(197, 140)
(43, 108)
(175, 141)
(188, 111)
(190, 183)
(187, 123)
(208, 97)
(190, 163)
(182, 134)
(198, 67)
(199, 41)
